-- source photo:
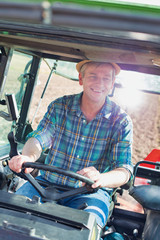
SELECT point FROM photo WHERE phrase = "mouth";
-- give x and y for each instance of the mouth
(97, 90)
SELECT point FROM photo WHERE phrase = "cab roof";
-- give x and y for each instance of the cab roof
(120, 32)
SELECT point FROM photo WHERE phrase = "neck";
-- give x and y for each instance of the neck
(90, 109)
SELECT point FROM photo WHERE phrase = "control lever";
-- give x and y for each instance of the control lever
(14, 152)
(13, 145)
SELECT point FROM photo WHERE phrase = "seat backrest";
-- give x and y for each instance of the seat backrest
(147, 195)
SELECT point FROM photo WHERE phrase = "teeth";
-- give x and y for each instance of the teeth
(97, 91)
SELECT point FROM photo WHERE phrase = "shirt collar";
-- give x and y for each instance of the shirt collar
(105, 111)
(75, 104)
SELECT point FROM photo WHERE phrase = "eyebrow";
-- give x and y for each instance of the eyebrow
(107, 75)
(92, 73)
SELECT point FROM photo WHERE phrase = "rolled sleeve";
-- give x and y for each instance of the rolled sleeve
(121, 155)
(46, 129)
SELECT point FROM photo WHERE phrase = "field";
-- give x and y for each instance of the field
(145, 116)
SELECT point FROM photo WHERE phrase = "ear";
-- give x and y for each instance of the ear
(80, 79)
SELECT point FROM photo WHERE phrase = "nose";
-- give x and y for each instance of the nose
(100, 81)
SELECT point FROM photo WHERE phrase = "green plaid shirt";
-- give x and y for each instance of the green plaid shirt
(104, 142)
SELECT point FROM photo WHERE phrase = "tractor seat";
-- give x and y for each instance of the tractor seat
(147, 195)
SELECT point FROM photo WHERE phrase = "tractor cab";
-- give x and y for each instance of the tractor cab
(40, 44)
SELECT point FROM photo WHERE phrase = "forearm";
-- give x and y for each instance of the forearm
(32, 149)
(30, 153)
(115, 178)
(112, 179)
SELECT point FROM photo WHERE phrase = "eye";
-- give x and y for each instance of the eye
(92, 77)
(107, 79)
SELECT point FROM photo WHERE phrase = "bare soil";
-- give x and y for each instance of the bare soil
(145, 117)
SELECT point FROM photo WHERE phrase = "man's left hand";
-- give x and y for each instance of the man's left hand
(93, 174)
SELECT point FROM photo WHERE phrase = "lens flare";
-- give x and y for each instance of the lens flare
(128, 97)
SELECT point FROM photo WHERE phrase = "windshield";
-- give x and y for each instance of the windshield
(126, 79)
(136, 93)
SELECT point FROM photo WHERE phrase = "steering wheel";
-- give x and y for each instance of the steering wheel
(50, 193)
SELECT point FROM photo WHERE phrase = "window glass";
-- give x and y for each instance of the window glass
(15, 84)
(57, 80)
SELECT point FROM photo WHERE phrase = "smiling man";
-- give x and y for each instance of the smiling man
(86, 133)
(97, 80)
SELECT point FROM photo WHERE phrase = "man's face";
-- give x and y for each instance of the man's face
(97, 81)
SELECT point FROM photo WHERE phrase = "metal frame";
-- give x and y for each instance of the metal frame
(21, 125)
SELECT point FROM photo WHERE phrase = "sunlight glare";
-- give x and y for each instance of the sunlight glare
(128, 97)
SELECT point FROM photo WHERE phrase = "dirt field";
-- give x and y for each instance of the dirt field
(146, 123)
(145, 116)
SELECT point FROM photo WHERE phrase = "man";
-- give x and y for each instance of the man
(88, 134)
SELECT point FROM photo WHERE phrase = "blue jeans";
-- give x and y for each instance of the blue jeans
(97, 203)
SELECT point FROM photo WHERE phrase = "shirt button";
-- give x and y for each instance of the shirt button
(84, 121)
(77, 156)
(82, 138)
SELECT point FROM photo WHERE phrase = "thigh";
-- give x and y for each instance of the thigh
(28, 190)
(97, 204)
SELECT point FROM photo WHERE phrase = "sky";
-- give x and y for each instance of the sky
(148, 2)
